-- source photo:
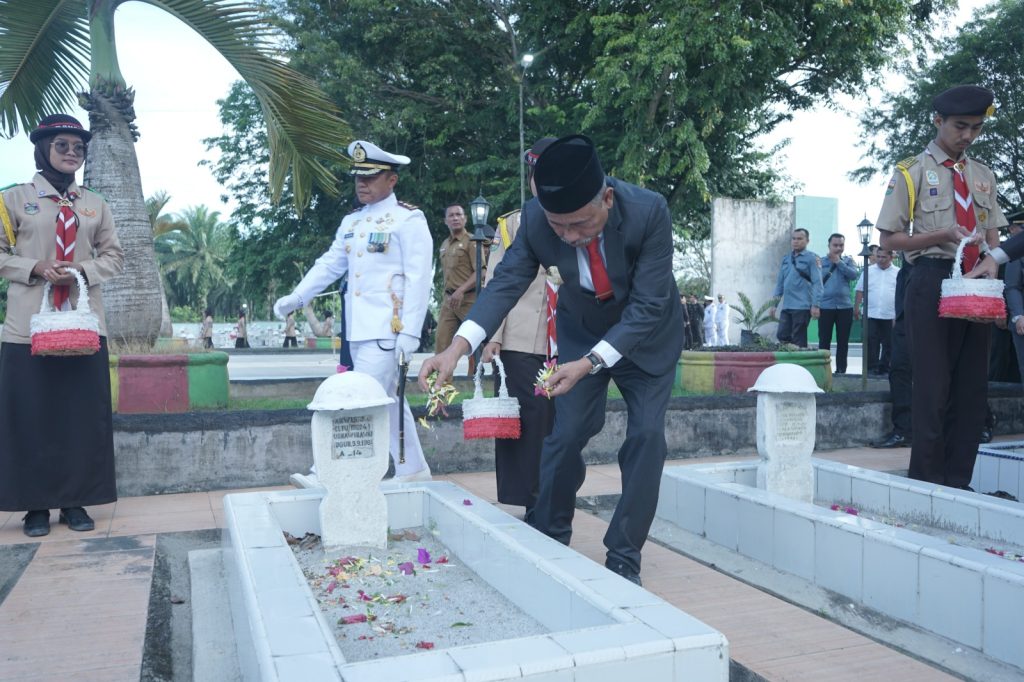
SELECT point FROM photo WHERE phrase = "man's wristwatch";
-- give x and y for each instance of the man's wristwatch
(596, 361)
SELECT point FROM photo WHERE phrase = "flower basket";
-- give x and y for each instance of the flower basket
(496, 417)
(977, 300)
(65, 332)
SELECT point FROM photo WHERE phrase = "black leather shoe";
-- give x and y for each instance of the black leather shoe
(625, 571)
(893, 440)
(76, 518)
(37, 523)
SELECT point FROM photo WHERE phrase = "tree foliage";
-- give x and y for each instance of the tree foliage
(674, 93)
(984, 52)
(194, 257)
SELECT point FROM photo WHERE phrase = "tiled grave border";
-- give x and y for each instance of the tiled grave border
(967, 595)
(998, 469)
(602, 626)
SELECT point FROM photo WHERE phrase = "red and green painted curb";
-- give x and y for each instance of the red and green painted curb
(323, 342)
(168, 383)
(734, 372)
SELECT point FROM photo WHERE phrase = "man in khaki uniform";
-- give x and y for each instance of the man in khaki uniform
(953, 197)
(458, 263)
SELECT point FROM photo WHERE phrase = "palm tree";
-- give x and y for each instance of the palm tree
(160, 224)
(194, 256)
(50, 48)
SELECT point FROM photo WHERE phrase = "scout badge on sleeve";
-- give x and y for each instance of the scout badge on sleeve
(65, 332)
(496, 417)
(978, 300)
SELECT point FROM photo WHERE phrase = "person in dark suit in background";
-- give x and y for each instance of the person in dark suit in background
(619, 317)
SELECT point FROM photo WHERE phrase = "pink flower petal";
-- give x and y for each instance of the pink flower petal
(467, 502)
(442, 560)
(350, 620)
(422, 556)
(342, 369)
(424, 645)
(331, 587)
(406, 568)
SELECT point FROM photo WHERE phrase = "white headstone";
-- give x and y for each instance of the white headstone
(350, 451)
(786, 419)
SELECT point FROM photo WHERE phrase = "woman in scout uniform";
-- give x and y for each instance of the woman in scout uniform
(56, 433)
(385, 249)
(944, 196)
(241, 331)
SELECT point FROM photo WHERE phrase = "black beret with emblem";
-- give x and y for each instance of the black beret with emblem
(965, 100)
(55, 124)
(568, 174)
(369, 159)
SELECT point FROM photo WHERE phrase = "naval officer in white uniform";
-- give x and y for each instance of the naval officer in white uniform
(386, 249)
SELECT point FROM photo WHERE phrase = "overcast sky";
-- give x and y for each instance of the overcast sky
(178, 78)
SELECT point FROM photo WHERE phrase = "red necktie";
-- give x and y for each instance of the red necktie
(598, 273)
(67, 231)
(964, 210)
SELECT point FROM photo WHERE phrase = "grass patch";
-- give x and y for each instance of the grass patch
(268, 404)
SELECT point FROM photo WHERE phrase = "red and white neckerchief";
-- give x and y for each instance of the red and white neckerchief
(965, 217)
(551, 297)
(67, 232)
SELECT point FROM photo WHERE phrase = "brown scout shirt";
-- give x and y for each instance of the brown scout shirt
(34, 217)
(525, 328)
(935, 205)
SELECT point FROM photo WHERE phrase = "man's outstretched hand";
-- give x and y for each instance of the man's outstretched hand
(986, 268)
(443, 363)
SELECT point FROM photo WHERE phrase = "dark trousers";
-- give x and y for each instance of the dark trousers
(517, 461)
(900, 374)
(290, 341)
(1018, 344)
(842, 320)
(579, 416)
(879, 345)
(950, 366)
(207, 342)
(793, 327)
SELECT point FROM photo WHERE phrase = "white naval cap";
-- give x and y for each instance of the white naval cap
(369, 159)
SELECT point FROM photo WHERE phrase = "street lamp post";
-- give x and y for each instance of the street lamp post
(525, 62)
(864, 228)
(480, 208)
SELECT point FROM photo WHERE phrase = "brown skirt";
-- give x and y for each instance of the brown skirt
(56, 430)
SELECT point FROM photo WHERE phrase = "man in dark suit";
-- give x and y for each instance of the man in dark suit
(619, 317)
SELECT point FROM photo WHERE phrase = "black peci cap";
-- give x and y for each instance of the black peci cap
(568, 174)
(965, 100)
(54, 124)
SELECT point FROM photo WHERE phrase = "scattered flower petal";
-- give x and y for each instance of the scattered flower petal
(342, 369)
(422, 556)
(331, 587)
(424, 645)
(355, 618)
(461, 624)
(442, 560)
(467, 502)
(406, 568)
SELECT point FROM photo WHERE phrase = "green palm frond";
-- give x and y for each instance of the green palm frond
(304, 127)
(44, 59)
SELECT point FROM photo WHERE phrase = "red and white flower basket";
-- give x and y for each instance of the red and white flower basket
(65, 332)
(977, 300)
(496, 417)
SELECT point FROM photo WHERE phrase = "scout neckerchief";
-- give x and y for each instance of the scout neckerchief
(67, 231)
(964, 209)
(598, 273)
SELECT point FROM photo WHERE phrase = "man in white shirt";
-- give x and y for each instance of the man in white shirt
(881, 309)
(721, 321)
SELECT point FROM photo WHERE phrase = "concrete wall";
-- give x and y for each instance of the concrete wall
(748, 241)
(217, 450)
(820, 217)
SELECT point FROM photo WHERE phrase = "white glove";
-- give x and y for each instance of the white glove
(287, 304)
(406, 344)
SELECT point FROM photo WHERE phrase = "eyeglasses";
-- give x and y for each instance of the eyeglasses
(62, 147)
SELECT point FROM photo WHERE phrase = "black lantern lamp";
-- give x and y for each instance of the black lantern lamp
(864, 229)
(483, 233)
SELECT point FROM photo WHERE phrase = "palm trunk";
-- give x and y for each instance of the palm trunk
(132, 301)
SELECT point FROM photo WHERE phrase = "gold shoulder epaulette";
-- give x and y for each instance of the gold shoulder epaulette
(407, 205)
(907, 162)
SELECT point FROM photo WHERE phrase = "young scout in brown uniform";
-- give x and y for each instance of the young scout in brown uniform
(458, 263)
(949, 356)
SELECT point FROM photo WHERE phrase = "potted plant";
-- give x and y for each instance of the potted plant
(751, 320)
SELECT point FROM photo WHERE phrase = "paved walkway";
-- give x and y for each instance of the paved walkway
(78, 612)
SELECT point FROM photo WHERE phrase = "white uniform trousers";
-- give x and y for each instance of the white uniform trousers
(368, 358)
